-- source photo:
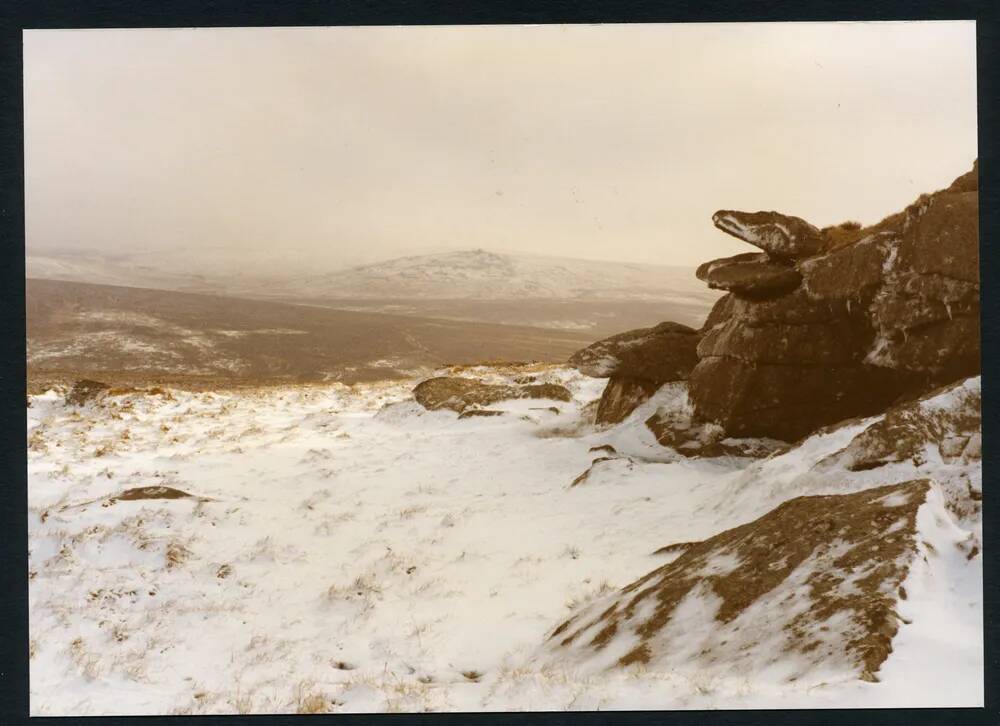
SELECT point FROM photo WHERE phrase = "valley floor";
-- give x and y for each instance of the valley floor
(345, 550)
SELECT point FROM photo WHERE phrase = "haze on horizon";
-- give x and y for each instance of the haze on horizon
(291, 149)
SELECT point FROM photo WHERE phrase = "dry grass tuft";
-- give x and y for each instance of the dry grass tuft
(86, 662)
(841, 235)
(176, 554)
(308, 700)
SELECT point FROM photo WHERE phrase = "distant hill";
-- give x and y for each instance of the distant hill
(478, 274)
(125, 270)
(595, 298)
(467, 274)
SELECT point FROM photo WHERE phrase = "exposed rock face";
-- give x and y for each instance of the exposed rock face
(704, 440)
(946, 423)
(882, 312)
(780, 236)
(458, 394)
(674, 426)
(785, 401)
(638, 363)
(659, 354)
(787, 574)
(621, 397)
(751, 275)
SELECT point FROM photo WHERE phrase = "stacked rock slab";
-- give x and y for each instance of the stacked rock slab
(828, 324)
(637, 363)
(466, 395)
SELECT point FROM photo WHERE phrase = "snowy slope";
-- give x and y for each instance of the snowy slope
(346, 550)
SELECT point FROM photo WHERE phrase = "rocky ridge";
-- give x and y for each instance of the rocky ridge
(819, 326)
(637, 363)
(862, 317)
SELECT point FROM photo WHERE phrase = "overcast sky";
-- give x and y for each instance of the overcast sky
(316, 147)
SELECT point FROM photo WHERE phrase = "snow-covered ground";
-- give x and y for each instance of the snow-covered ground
(346, 550)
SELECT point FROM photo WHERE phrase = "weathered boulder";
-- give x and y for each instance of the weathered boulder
(663, 353)
(706, 268)
(638, 363)
(882, 312)
(621, 397)
(785, 402)
(457, 393)
(749, 275)
(782, 343)
(698, 440)
(780, 236)
(674, 426)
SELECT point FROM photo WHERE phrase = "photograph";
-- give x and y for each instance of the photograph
(502, 367)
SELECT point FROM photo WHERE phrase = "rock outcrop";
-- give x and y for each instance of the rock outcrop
(460, 394)
(945, 425)
(780, 236)
(637, 363)
(663, 353)
(752, 275)
(675, 426)
(695, 439)
(828, 324)
(819, 575)
(621, 397)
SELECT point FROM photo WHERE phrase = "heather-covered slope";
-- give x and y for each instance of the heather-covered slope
(131, 335)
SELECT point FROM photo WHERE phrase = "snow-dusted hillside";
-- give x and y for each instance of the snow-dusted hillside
(487, 275)
(109, 271)
(343, 549)
(467, 274)
(195, 269)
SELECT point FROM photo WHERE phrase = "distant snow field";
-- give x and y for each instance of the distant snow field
(343, 549)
